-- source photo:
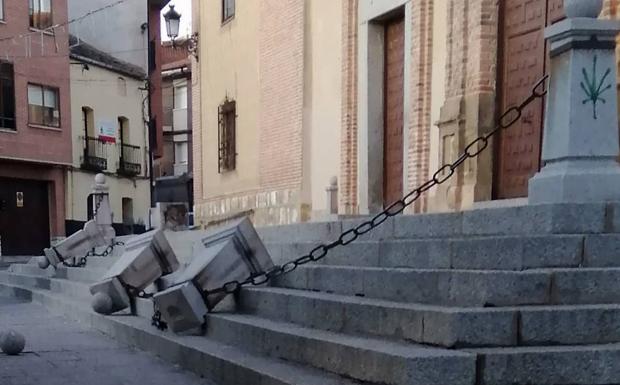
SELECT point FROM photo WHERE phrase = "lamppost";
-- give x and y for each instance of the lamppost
(173, 19)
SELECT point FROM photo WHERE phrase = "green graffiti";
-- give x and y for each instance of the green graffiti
(594, 88)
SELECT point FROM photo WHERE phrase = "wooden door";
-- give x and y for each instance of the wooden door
(523, 60)
(24, 216)
(393, 110)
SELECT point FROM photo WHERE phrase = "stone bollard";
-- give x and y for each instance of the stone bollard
(332, 196)
(96, 233)
(147, 258)
(580, 144)
(231, 253)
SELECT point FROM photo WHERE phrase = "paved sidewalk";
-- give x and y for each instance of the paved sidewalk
(60, 352)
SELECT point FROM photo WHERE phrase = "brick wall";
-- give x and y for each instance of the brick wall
(39, 59)
(421, 54)
(36, 59)
(196, 96)
(281, 74)
(348, 142)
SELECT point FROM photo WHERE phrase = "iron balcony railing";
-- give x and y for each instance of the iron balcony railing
(129, 162)
(95, 154)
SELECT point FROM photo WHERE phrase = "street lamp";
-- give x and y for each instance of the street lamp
(173, 19)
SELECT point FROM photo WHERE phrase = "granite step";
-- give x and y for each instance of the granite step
(544, 219)
(59, 286)
(481, 253)
(223, 364)
(436, 325)
(558, 365)
(462, 288)
(81, 274)
(365, 359)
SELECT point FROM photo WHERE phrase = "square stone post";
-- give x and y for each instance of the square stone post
(580, 144)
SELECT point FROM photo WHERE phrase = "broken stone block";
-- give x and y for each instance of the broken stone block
(147, 258)
(231, 253)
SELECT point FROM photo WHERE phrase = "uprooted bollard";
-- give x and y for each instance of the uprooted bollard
(147, 258)
(234, 252)
(96, 233)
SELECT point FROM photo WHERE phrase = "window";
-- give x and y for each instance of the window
(228, 10)
(226, 136)
(180, 153)
(43, 106)
(7, 96)
(121, 84)
(88, 119)
(180, 97)
(40, 14)
(1, 9)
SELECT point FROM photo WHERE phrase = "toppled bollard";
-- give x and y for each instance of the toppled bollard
(231, 253)
(96, 233)
(78, 244)
(147, 258)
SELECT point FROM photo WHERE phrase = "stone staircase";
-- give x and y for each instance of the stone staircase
(497, 296)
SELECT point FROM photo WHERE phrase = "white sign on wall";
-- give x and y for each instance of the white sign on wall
(106, 130)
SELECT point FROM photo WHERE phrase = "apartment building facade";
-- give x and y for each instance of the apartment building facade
(110, 136)
(35, 124)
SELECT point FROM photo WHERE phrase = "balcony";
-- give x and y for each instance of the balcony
(129, 163)
(95, 155)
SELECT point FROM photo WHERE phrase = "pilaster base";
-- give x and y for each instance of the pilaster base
(576, 181)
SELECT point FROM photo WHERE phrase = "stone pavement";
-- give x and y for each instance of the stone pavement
(59, 352)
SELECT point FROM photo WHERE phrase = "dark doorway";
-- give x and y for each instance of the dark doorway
(24, 216)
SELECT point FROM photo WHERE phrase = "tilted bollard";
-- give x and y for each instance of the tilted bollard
(96, 233)
(147, 258)
(234, 252)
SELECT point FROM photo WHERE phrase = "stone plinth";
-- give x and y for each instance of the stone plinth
(580, 144)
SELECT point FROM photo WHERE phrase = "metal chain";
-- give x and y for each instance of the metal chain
(83, 260)
(472, 150)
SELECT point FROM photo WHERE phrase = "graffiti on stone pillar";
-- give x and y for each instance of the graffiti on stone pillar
(593, 87)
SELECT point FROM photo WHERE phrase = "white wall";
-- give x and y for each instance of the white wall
(108, 102)
(115, 30)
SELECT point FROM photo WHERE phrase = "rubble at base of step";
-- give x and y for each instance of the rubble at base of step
(230, 253)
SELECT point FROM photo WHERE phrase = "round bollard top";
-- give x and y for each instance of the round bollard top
(43, 262)
(583, 8)
(100, 179)
(102, 303)
(12, 342)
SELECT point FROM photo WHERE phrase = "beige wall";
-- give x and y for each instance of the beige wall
(438, 95)
(229, 67)
(109, 102)
(281, 63)
(324, 96)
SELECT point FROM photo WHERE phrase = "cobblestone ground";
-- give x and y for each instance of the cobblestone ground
(60, 352)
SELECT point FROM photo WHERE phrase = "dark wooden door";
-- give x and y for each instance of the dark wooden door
(523, 60)
(24, 217)
(393, 110)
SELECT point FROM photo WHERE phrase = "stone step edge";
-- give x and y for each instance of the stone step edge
(177, 350)
(381, 346)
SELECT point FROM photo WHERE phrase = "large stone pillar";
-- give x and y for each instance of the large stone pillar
(580, 144)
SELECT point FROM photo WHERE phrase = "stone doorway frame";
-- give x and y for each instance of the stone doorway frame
(371, 99)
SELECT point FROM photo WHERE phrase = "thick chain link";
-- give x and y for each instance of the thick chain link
(444, 173)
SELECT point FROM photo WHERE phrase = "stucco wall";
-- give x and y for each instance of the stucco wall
(323, 58)
(123, 36)
(229, 68)
(109, 103)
